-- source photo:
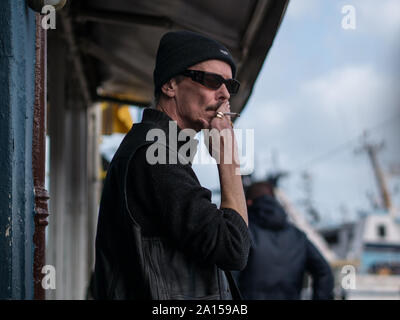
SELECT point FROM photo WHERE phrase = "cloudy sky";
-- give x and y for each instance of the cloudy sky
(320, 88)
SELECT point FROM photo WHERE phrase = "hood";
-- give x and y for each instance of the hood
(267, 213)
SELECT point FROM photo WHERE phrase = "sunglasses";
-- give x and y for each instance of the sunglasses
(212, 80)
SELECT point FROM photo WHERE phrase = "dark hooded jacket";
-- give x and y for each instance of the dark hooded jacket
(280, 256)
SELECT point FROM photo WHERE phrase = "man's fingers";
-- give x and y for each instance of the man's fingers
(224, 107)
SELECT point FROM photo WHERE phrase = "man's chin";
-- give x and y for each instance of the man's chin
(203, 124)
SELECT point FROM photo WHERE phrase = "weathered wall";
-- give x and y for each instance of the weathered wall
(17, 60)
(74, 165)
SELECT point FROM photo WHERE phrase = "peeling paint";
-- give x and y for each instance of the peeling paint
(7, 233)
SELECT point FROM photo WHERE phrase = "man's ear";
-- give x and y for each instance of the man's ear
(169, 88)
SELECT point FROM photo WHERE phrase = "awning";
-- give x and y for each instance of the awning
(114, 43)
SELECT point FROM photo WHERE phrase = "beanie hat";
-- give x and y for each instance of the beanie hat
(179, 50)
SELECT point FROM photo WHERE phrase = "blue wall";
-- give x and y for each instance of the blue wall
(17, 61)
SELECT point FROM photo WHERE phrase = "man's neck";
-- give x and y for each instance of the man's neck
(170, 112)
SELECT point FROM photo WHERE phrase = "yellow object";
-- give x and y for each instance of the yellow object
(116, 118)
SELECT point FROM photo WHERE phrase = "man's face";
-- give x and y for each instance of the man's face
(195, 102)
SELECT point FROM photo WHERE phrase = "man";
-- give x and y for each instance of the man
(159, 236)
(280, 255)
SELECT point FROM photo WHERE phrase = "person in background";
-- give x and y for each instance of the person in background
(280, 255)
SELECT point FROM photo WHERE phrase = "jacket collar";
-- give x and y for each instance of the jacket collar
(162, 120)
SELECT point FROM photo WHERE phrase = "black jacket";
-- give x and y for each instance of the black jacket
(280, 256)
(159, 236)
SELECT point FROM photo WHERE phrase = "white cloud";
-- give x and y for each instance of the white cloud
(351, 94)
(379, 17)
(299, 8)
(350, 85)
(265, 114)
(325, 113)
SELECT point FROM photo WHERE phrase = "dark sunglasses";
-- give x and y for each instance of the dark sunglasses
(212, 80)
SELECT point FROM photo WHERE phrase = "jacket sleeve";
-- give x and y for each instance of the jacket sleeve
(321, 273)
(193, 222)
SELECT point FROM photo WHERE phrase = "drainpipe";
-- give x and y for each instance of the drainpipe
(39, 144)
(38, 158)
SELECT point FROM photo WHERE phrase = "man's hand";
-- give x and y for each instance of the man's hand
(220, 137)
(225, 121)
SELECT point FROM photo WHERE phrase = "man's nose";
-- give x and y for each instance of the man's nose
(223, 93)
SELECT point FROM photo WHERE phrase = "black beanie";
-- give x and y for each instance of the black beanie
(182, 49)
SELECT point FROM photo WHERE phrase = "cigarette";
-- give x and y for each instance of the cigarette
(232, 114)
